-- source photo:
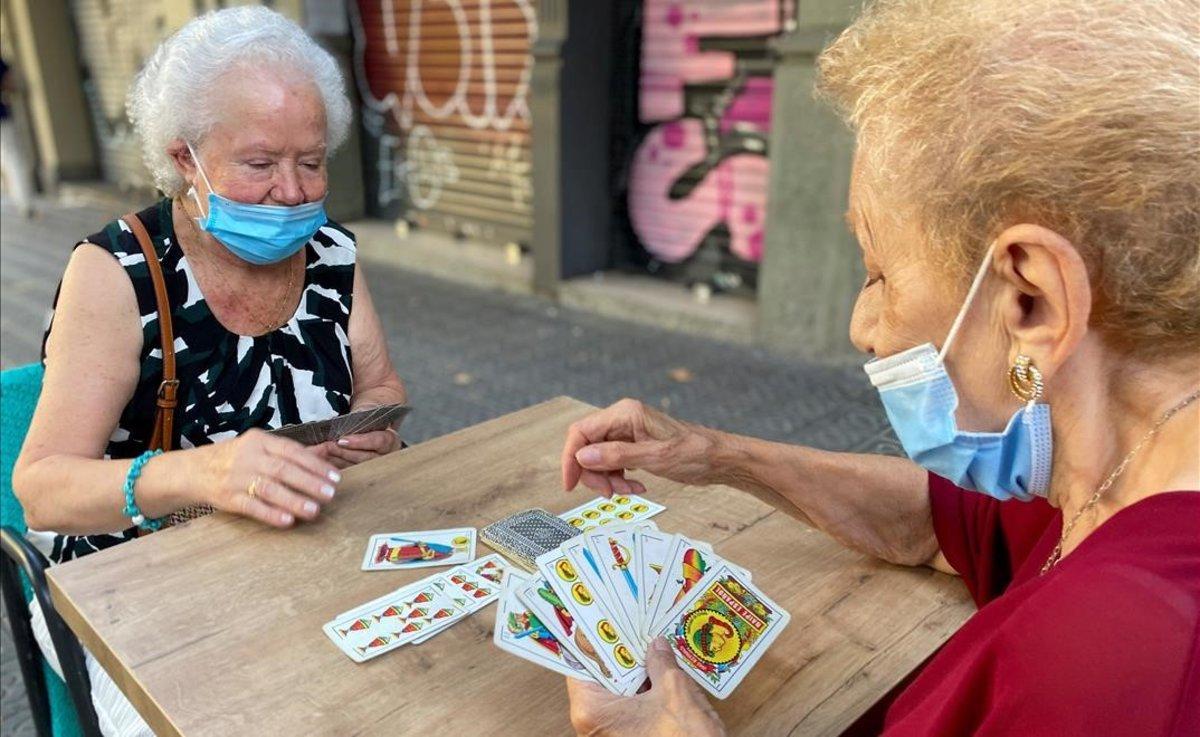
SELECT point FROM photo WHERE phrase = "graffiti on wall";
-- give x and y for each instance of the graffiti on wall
(704, 162)
(445, 85)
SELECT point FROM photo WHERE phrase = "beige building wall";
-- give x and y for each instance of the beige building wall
(115, 38)
(38, 39)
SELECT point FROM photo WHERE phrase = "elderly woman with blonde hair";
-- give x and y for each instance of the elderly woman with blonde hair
(1026, 195)
(272, 320)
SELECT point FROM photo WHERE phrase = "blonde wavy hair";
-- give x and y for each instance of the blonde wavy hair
(1079, 115)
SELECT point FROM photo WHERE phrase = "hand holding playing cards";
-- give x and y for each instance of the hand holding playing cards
(352, 449)
(271, 479)
(673, 706)
(629, 435)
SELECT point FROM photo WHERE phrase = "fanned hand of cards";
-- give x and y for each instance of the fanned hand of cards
(365, 420)
(599, 599)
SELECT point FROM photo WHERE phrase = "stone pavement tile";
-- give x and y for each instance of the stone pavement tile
(468, 354)
(15, 718)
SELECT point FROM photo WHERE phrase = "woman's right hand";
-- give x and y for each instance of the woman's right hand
(288, 481)
(629, 435)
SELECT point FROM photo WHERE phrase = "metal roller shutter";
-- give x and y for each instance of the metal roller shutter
(446, 87)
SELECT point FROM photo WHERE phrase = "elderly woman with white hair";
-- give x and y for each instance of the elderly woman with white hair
(1026, 194)
(273, 323)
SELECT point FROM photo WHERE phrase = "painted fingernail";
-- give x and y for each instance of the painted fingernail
(287, 518)
(327, 491)
(311, 507)
(334, 476)
(588, 455)
(343, 442)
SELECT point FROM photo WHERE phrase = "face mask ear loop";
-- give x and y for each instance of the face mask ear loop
(196, 161)
(962, 311)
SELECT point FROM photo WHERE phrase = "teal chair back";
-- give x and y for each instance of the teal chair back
(19, 391)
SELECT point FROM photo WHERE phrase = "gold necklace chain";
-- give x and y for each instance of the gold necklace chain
(265, 326)
(1056, 554)
(269, 326)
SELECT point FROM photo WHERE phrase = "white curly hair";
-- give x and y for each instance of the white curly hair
(172, 96)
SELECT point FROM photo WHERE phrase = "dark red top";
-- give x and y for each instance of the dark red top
(1106, 643)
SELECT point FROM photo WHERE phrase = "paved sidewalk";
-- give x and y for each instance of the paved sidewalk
(469, 354)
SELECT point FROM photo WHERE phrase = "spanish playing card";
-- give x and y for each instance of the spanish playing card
(721, 629)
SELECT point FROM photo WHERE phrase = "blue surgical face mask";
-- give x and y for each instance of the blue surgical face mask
(920, 401)
(260, 234)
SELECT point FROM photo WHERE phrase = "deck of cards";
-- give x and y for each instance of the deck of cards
(597, 601)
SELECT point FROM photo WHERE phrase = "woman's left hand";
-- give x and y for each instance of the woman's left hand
(673, 706)
(352, 449)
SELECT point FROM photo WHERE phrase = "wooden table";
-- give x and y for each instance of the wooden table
(214, 627)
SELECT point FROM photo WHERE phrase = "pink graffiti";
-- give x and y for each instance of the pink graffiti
(734, 193)
(752, 106)
(671, 56)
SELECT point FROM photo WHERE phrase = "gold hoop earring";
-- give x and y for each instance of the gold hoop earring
(1025, 380)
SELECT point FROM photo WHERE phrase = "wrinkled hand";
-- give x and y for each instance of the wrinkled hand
(629, 435)
(351, 449)
(674, 706)
(289, 482)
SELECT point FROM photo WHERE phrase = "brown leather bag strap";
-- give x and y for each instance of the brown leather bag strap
(164, 420)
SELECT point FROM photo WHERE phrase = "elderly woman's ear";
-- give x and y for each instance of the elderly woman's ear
(181, 157)
(1046, 299)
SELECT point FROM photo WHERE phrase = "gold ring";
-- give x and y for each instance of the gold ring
(253, 489)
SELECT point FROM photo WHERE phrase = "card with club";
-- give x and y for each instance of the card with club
(613, 648)
(401, 550)
(520, 632)
(619, 509)
(544, 602)
(687, 565)
(721, 629)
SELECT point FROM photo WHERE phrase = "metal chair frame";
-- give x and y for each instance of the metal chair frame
(21, 557)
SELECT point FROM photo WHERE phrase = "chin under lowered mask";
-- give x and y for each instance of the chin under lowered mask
(260, 234)
(920, 401)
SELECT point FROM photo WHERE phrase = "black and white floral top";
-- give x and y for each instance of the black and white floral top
(228, 383)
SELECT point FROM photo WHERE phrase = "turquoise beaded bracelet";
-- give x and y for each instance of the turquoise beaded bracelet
(131, 508)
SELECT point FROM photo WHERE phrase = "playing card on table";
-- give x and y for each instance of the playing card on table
(390, 621)
(494, 568)
(471, 586)
(526, 535)
(721, 629)
(619, 509)
(398, 550)
(613, 648)
(519, 631)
